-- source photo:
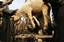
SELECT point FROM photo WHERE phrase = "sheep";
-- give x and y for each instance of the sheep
(35, 6)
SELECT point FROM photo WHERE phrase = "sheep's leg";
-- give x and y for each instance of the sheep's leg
(40, 31)
(31, 18)
(45, 15)
(36, 20)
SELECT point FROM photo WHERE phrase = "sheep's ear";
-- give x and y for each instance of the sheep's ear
(9, 1)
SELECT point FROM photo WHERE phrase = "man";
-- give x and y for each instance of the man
(4, 14)
(58, 11)
(61, 21)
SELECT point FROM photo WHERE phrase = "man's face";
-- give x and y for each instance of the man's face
(3, 2)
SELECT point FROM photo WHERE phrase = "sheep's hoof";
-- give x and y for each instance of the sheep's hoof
(45, 28)
(33, 25)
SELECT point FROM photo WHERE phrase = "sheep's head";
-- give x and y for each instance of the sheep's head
(5, 2)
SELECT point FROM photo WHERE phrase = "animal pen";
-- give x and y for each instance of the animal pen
(9, 31)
